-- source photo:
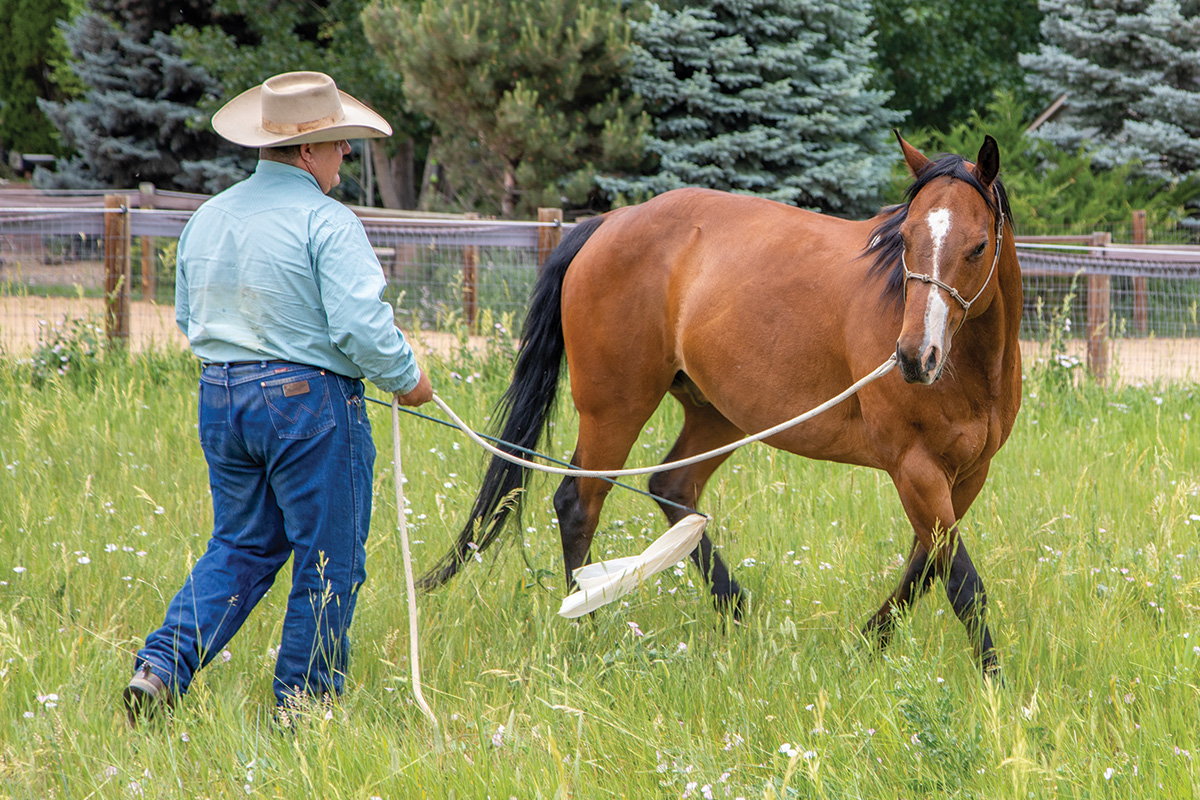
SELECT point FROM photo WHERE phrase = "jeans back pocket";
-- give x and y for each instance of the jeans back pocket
(299, 405)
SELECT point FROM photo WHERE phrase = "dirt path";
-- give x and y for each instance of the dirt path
(26, 320)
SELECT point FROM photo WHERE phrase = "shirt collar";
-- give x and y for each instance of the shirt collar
(276, 168)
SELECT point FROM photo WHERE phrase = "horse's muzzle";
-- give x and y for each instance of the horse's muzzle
(924, 368)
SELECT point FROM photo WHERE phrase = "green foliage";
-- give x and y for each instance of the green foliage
(72, 351)
(942, 59)
(951, 749)
(138, 119)
(763, 97)
(1132, 78)
(246, 42)
(525, 96)
(1051, 190)
(32, 45)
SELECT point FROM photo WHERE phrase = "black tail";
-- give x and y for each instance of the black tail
(525, 409)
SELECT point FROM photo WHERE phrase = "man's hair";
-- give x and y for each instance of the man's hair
(286, 154)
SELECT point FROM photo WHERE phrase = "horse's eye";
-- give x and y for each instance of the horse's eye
(979, 250)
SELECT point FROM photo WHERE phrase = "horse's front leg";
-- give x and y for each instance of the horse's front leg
(964, 589)
(933, 507)
(916, 580)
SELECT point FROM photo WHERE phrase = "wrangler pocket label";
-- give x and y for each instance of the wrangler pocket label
(294, 389)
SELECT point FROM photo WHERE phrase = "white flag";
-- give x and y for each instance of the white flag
(605, 581)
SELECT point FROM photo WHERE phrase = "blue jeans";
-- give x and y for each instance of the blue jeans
(290, 459)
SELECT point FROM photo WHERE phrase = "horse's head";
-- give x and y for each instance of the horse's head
(949, 241)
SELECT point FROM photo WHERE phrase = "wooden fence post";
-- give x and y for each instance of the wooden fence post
(149, 257)
(1099, 305)
(548, 237)
(470, 282)
(1141, 284)
(117, 268)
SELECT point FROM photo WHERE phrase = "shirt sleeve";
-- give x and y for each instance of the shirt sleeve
(181, 291)
(361, 324)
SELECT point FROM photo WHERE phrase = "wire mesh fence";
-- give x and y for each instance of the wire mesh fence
(1128, 314)
(57, 265)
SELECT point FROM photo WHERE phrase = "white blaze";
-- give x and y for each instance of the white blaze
(939, 226)
(937, 310)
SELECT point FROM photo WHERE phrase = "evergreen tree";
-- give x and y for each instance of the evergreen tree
(525, 92)
(944, 59)
(31, 46)
(1050, 190)
(247, 41)
(138, 120)
(1131, 71)
(764, 97)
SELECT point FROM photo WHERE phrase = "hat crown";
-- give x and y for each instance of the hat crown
(296, 108)
(298, 102)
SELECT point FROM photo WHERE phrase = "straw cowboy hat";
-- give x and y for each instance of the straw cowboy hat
(296, 108)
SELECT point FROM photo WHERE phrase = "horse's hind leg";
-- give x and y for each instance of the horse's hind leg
(604, 443)
(704, 429)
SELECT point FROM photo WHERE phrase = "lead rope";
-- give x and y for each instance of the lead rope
(402, 524)
(879, 372)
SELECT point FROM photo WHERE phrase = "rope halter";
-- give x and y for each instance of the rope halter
(950, 290)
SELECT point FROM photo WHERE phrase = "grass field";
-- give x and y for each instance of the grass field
(1086, 536)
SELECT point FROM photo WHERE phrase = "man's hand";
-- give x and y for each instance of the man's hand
(419, 394)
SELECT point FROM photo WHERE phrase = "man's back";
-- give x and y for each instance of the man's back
(272, 268)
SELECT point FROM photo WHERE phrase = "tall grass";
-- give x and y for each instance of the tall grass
(1086, 536)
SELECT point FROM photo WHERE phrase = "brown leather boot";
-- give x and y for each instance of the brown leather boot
(145, 694)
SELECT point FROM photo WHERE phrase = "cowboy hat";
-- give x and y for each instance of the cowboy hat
(296, 108)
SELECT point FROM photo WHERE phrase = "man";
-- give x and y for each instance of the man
(279, 293)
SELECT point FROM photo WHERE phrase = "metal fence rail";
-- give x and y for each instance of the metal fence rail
(1129, 313)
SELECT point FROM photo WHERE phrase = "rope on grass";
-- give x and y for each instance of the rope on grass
(402, 523)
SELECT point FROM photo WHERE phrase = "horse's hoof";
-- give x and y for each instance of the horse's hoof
(990, 668)
(736, 604)
(877, 633)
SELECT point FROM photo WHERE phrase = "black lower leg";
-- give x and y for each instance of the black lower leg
(964, 589)
(726, 592)
(918, 577)
(573, 528)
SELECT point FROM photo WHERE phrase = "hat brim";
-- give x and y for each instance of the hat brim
(240, 121)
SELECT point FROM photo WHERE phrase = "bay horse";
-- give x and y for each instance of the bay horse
(749, 312)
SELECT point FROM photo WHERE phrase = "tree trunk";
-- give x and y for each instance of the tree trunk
(508, 200)
(431, 180)
(395, 176)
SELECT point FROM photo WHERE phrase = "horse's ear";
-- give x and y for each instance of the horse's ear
(987, 163)
(912, 156)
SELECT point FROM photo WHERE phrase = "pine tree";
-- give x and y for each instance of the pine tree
(527, 92)
(1050, 190)
(764, 97)
(138, 120)
(247, 41)
(1131, 71)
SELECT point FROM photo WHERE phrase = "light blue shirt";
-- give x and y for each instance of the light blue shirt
(273, 269)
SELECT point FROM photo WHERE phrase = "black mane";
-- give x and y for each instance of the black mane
(886, 245)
